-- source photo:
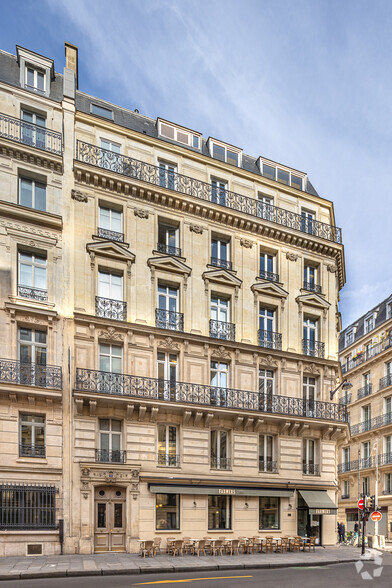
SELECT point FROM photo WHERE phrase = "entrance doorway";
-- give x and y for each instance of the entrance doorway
(309, 525)
(109, 527)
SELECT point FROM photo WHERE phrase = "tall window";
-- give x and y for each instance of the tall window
(110, 221)
(388, 409)
(218, 192)
(366, 457)
(110, 358)
(110, 440)
(265, 207)
(35, 79)
(28, 507)
(267, 267)
(311, 345)
(220, 309)
(346, 459)
(389, 310)
(388, 368)
(267, 327)
(309, 457)
(307, 221)
(167, 512)
(31, 435)
(269, 512)
(220, 458)
(349, 338)
(346, 489)
(168, 239)
(167, 445)
(167, 375)
(310, 330)
(310, 278)
(168, 307)
(267, 461)
(167, 175)
(110, 286)
(30, 131)
(219, 512)
(369, 324)
(365, 486)
(309, 394)
(32, 355)
(388, 446)
(220, 253)
(32, 194)
(219, 377)
(266, 390)
(32, 275)
(366, 416)
(388, 484)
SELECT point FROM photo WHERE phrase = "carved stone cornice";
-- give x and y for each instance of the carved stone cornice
(93, 474)
(37, 157)
(111, 335)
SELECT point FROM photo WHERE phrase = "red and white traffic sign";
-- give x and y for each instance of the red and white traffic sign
(376, 516)
(360, 503)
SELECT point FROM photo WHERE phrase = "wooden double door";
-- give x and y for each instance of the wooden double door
(110, 524)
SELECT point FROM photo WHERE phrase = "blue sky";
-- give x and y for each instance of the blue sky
(303, 82)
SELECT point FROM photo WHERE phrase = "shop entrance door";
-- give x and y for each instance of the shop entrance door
(109, 532)
(309, 525)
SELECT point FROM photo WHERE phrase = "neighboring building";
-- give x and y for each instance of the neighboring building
(365, 349)
(169, 319)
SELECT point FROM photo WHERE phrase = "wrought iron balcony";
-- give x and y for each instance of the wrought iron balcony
(152, 174)
(346, 466)
(345, 496)
(220, 463)
(94, 381)
(385, 381)
(311, 287)
(364, 356)
(385, 458)
(110, 235)
(222, 330)
(312, 469)
(27, 133)
(387, 492)
(111, 309)
(374, 423)
(270, 276)
(33, 293)
(364, 391)
(223, 263)
(169, 249)
(268, 466)
(346, 399)
(361, 427)
(114, 456)
(30, 374)
(313, 348)
(169, 319)
(29, 450)
(168, 460)
(269, 339)
(367, 462)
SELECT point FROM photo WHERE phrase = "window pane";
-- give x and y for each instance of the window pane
(195, 142)
(116, 221)
(296, 182)
(167, 131)
(182, 137)
(218, 152)
(116, 426)
(283, 177)
(232, 157)
(40, 337)
(104, 218)
(219, 512)
(40, 278)
(30, 77)
(269, 512)
(40, 197)
(167, 511)
(104, 424)
(268, 171)
(40, 81)
(26, 275)
(101, 111)
(26, 193)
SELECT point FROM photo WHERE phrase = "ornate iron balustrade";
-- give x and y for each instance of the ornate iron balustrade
(199, 394)
(169, 249)
(114, 456)
(364, 391)
(347, 466)
(27, 133)
(366, 355)
(312, 469)
(223, 263)
(33, 293)
(169, 319)
(367, 462)
(385, 459)
(111, 309)
(313, 348)
(374, 423)
(268, 466)
(27, 506)
(269, 339)
(311, 287)
(270, 276)
(30, 374)
(152, 174)
(110, 235)
(386, 492)
(168, 460)
(345, 496)
(29, 450)
(346, 399)
(361, 427)
(220, 463)
(385, 381)
(222, 330)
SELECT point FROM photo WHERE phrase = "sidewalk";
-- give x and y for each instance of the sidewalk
(105, 564)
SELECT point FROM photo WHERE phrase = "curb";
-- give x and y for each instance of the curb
(167, 569)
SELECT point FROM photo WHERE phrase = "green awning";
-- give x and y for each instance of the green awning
(219, 490)
(318, 502)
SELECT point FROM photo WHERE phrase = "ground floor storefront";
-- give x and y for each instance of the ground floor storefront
(351, 516)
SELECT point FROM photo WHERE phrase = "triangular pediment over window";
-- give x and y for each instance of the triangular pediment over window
(221, 276)
(269, 289)
(111, 251)
(169, 264)
(313, 300)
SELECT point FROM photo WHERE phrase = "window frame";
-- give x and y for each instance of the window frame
(32, 425)
(34, 184)
(36, 70)
(178, 512)
(110, 434)
(228, 509)
(33, 344)
(265, 458)
(167, 453)
(277, 509)
(191, 135)
(102, 108)
(34, 265)
(111, 286)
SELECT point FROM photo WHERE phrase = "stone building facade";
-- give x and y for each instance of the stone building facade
(365, 459)
(169, 319)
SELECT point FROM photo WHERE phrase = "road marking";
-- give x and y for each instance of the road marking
(190, 580)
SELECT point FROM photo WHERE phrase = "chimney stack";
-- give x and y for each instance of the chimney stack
(71, 60)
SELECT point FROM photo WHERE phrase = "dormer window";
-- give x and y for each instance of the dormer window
(282, 175)
(226, 153)
(36, 71)
(101, 111)
(389, 310)
(349, 338)
(179, 134)
(35, 79)
(369, 323)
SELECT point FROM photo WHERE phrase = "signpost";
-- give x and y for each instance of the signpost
(376, 516)
(360, 504)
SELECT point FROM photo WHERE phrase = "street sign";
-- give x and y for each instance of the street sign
(376, 516)
(360, 503)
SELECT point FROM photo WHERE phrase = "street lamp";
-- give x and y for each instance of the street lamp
(345, 385)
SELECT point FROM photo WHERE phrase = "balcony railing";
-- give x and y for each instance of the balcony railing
(345, 496)
(110, 235)
(223, 263)
(222, 330)
(313, 348)
(268, 466)
(374, 423)
(29, 450)
(311, 287)
(169, 460)
(312, 469)
(270, 276)
(366, 355)
(32, 293)
(169, 319)
(169, 249)
(346, 399)
(111, 309)
(95, 381)
(387, 492)
(269, 339)
(364, 391)
(114, 456)
(151, 174)
(220, 463)
(385, 381)
(385, 459)
(27, 133)
(347, 466)
(30, 374)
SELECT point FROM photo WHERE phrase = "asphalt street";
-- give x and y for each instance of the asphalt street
(344, 575)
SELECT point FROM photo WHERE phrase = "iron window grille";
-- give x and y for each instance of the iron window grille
(33, 293)
(269, 339)
(169, 319)
(114, 456)
(270, 276)
(110, 235)
(112, 309)
(25, 506)
(169, 249)
(222, 330)
(313, 348)
(168, 459)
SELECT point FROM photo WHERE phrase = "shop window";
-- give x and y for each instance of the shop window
(269, 508)
(219, 512)
(167, 512)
